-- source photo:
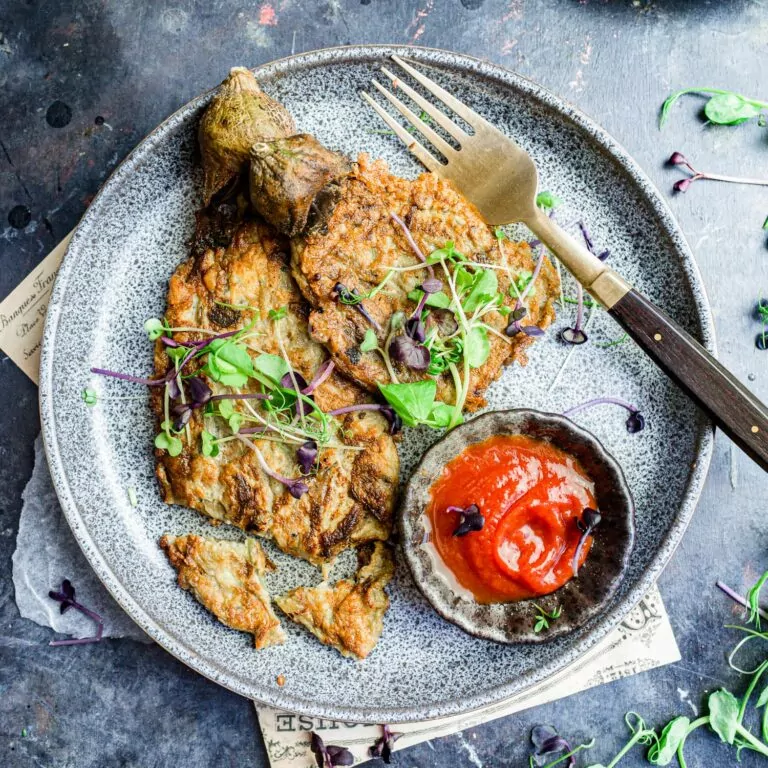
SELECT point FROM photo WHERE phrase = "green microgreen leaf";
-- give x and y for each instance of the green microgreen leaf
(547, 201)
(208, 444)
(277, 314)
(235, 421)
(177, 354)
(763, 698)
(226, 408)
(765, 223)
(664, 750)
(370, 342)
(167, 442)
(723, 107)
(723, 714)
(90, 396)
(441, 300)
(730, 109)
(483, 288)
(522, 281)
(413, 402)
(477, 346)
(447, 252)
(753, 600)
(440, 416)
(154, 328)
(273, 367)
(500, 234)
(228, 363)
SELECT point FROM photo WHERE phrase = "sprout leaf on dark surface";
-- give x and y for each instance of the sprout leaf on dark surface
(65, 596)
(328, 756)
(384, 745)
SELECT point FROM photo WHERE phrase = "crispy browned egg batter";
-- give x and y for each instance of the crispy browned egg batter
(225, 576)
(350, 614)
(351, 495)
(360, 241)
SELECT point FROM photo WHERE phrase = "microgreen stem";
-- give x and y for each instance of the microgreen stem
(736, 597)
(353, 408)
(414, 245)
(323, 372)
(600, 401)
(570, 754)
(751, 687)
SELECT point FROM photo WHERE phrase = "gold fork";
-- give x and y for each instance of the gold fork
(500, 178)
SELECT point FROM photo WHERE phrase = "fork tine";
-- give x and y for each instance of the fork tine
(464, 112)
(439, 117)
(420, 152)
(437, 141)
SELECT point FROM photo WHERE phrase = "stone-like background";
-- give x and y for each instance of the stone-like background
(82, 81)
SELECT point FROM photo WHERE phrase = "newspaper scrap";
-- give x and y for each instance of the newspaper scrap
(22, 313)
(643, 641)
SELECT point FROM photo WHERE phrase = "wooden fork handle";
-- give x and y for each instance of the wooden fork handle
(732, 406)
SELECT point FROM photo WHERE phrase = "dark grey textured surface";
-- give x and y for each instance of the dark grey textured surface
(122, 704)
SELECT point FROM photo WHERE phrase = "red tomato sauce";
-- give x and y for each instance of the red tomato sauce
(531, 495)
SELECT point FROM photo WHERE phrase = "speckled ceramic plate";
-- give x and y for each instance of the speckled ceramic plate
(115, 276)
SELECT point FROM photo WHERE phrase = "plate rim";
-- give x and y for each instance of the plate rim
(494, 73)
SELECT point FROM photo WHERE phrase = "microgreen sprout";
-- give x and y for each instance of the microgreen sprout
(412, 242)
(295, 486)
(90, 397)
(589, 520)
(551, 749)
(761, 310)
(722, 107)
(470, 519)
(544, 618)
(352, 298)
(635, 420)
(329, 756)
(384, 745)
(682, 185)
(66, 599)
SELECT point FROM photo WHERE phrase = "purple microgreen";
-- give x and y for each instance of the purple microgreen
(470, 519)
(395, 422)
(351, 298)
(551, 749)
(414, 246)
(403, 349)
(322, 374)
(414, 328)
(174, 390)
(682, 185)
(199, 391)
(576, 335)
(306, 455)
(431, 285)
(295, 486)
(129, 377)
(532, 330)
(182, 413)
(635, 420)
(761, 340)
(169, 342)
(66, 597)
(590, 243)
(328, 756)
(589, 520)
(445, 321)
(384, 745)
(736, 597)
(240, 396)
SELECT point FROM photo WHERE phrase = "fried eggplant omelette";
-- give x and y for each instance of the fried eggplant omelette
(349, 615)
(226, 577)
(345, 270)
(240, 457)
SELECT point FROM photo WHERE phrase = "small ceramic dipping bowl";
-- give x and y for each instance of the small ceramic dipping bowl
(581, 598)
